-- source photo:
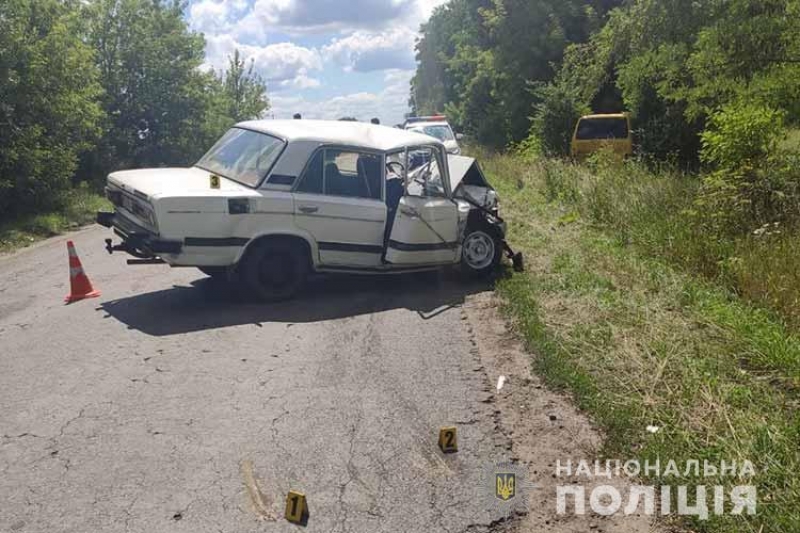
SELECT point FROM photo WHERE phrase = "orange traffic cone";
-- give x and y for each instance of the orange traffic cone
(80, 286)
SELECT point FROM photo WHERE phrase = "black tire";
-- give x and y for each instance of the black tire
(216, 272)
(275, 270)
(481, 252)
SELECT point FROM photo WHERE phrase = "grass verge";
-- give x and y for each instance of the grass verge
(78, 208)
(640, 342)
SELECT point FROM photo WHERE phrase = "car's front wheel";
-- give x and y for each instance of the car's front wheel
(481, 252)
(275, 270)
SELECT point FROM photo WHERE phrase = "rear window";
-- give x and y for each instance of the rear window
(242, 155)
(602, 128)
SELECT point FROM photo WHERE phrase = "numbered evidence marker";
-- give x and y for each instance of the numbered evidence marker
(448, 440)
(296, 509)
(214, 181)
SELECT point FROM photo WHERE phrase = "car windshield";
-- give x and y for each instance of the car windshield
(242, 155)
(441, 132)
(602, 128)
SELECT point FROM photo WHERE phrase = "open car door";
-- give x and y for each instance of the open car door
(426, 223)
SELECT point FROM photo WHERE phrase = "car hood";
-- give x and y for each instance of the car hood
(468, 182)
(451, 145)
(465, 171)
(165, 182)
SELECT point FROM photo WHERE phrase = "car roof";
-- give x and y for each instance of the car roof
(431, 123)
(360, 134)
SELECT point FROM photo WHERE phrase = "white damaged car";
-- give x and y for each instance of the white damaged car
(273, 201)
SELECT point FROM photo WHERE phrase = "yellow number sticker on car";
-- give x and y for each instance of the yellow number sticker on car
(214, 181)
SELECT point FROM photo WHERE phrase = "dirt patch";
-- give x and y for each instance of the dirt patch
(545, 428)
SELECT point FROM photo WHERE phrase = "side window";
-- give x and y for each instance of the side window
(337, 172)
(281, 179)
(311, 180)
(353, 174)
(424, 175)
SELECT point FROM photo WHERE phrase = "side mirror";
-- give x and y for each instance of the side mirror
(459, 136)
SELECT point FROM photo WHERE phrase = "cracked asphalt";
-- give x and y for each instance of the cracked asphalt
(136, 411)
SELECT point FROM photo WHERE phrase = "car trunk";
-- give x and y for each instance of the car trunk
(160, 182)
(138, 195)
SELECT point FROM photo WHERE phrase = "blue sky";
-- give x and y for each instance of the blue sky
(322, 58)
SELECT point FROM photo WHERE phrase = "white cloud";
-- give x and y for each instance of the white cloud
(399, 78)
(363, 36)
(208, 16)
(302, 81)
(390, 104)
(282, 65)
(215, 16)
(426, 7)
(365, 51)
(317, 16)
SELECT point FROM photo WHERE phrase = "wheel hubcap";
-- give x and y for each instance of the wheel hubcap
(479, 250)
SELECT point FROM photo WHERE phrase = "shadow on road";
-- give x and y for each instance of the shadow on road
(211, 304)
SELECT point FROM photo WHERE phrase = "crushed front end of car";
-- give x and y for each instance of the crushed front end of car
(469, 184)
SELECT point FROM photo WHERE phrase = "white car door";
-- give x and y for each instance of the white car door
(339, 201)
(426, 225)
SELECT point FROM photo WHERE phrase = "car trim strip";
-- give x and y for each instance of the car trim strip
(349, 247)
(215, 242)
(332, 217)
(329, 246)
(422, 247)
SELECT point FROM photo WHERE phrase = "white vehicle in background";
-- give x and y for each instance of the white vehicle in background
(273, 201)
(437, 127)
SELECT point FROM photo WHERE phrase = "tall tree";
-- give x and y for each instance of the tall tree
(48, 101)
(478, 59)
(156, 97)
(244, 89)
(675, 62)
(530, 38)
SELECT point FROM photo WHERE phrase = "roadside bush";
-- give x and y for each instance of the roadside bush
(555, 117)
(753, 182)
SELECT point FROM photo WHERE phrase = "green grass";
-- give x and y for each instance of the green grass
(620, 314)
(78, 208)
(792, 141)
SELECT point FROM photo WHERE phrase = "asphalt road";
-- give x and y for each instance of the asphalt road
(154, 407)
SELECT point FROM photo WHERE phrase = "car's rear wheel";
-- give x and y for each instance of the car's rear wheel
(275, 270)
(481, 252)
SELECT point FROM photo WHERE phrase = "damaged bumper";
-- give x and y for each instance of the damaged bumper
(136, 240)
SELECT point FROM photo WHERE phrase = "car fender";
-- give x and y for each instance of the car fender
(283, 232)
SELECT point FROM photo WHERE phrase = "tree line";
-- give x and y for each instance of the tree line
(523, 71)
(89, 86)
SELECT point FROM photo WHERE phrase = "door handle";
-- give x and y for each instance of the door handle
(308, 209)
(409, 211)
